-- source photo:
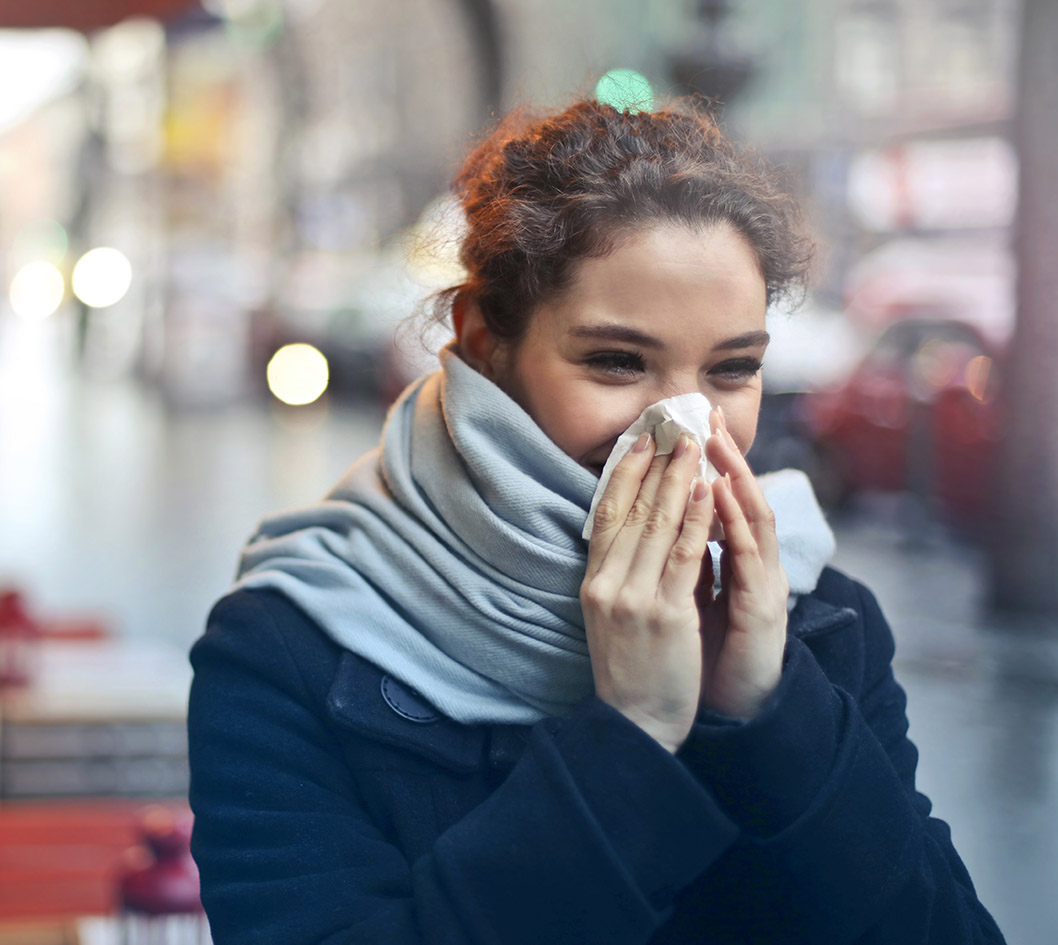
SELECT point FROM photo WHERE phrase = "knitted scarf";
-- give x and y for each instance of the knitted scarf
(451, 556)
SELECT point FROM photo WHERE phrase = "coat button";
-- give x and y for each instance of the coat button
(406, 702)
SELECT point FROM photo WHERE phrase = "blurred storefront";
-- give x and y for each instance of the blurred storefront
(251, 158)
(896, 117)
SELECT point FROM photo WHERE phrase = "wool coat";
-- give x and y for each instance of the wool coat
(333, 804)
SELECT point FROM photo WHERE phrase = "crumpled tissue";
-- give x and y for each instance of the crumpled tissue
(665, 421)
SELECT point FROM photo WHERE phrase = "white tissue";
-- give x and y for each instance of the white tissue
(665, 421)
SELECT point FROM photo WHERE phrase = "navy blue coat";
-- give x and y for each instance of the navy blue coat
(333, 804)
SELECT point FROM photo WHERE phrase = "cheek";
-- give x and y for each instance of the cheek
(584, 420)
(559, 408)
(740, 413)
(588, 421)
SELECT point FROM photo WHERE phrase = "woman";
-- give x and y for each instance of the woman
(431, 712)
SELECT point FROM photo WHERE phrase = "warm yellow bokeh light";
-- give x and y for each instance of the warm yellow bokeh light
(102, 277)
(298, 374)
(37, 290)
(978, 373)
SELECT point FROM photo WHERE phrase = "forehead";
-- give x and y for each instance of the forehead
(667, 279)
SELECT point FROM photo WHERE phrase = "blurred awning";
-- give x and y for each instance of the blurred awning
(85, 15)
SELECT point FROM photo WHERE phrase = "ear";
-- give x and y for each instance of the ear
(477, 345)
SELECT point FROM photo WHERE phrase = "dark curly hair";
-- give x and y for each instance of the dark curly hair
(541, 193)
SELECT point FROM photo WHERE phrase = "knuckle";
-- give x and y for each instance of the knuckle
(592, 595)
(626, 605)
(684, 552)
(607, 514)
(655, 621)
(658, 522)
(639, 514)
(664, 616)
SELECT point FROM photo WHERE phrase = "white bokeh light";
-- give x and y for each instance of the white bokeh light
(102, 277)
(37, 290)
(298, 374)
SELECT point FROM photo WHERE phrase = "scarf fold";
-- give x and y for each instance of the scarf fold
(451, 556)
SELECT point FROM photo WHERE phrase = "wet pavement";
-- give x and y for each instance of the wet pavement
(112, 505)
(983, 706)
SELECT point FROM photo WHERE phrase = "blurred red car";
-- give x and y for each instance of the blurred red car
(918, 413)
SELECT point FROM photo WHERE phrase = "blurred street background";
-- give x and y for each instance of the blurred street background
(216, 219)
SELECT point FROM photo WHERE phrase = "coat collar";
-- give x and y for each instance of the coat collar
(812, 616)
(382, 708)
(379, 706)
(364, 699)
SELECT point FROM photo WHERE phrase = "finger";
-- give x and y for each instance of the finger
(621, 493)
(684, 566)
(655, 537)
(716, 419)
(743, 552)
(620, 547)
(639, 514)
(722, 449)
(724, 454)
(635, 556)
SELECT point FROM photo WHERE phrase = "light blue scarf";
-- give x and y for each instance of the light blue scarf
(452, 557)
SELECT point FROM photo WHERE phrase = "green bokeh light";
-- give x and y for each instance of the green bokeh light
(252, 24)
(626, 90)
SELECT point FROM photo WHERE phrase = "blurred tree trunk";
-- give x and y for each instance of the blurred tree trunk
(1024, 566)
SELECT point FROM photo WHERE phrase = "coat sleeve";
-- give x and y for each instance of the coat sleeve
(589, 838)
(823, 784)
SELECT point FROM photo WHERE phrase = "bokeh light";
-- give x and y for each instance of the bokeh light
(626, 90)
(102, 277)
(37, 290)
(978, 376)
(249, 22)
(937, 362)
(298, 374)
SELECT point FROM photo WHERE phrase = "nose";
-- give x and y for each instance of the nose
(677, 384)
(673, 386)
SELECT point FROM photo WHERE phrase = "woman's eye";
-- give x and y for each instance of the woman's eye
(737, 369)
(621, 363)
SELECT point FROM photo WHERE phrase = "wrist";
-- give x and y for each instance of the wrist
(743, 702)
(670, 733)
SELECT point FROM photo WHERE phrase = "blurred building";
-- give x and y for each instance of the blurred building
(252, 160)
(895, 116)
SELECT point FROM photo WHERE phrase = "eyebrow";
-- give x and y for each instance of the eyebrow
(611, 332)
(751, 339)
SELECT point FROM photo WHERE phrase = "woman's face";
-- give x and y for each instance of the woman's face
(669, 312)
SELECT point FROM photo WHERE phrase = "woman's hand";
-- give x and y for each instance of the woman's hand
(744, 628)
(638, 595)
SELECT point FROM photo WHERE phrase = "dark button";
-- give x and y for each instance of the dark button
(406, 702)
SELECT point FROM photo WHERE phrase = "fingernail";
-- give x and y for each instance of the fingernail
(700, 489)
(723, 419)
(681, 446)
(641, 443)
